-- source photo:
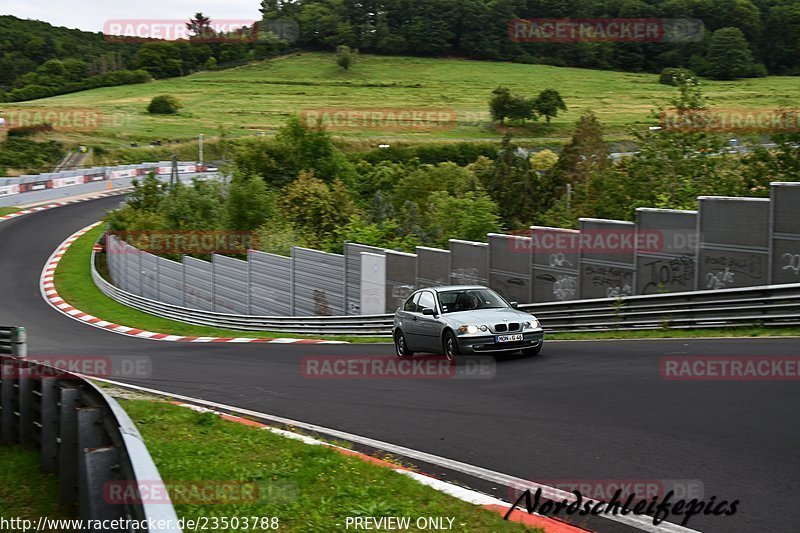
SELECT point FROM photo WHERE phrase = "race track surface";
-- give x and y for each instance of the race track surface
(581, 411)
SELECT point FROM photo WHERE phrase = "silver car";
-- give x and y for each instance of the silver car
(464, 320)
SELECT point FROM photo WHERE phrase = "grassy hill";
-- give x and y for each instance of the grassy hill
(259, 96)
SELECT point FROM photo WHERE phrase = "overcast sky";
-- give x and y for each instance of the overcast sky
(91, 15)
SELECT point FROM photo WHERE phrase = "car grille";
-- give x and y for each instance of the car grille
(513, 326)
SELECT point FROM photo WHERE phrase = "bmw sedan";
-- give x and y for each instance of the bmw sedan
(464, 320)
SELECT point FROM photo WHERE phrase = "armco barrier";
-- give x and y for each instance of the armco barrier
(83, 435)
(13, 341)
(777, 305)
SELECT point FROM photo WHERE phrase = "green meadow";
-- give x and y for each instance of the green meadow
(258, 97)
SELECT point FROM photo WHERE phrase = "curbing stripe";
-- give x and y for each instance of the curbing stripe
(50, 294)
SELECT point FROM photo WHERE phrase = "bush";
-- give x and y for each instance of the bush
(670, 76)
(164, 105)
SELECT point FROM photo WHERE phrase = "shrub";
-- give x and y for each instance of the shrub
(164, 105)
(670, 76)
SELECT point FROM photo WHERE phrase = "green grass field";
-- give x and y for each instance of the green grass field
(259, 97)
(8, 210)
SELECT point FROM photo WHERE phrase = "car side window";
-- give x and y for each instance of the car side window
(426, 301)
(411, 303)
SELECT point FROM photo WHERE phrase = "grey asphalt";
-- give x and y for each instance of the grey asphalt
(581, 411)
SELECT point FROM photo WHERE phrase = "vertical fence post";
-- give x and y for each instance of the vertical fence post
(48, 436)
(68, 449)
(26, 411)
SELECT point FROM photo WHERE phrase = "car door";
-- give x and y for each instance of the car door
(427, 328)
(408, 316)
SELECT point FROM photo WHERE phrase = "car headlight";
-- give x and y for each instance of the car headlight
(532, 324)
(468, 329)
(484, 328)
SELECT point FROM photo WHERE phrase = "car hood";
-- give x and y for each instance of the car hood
(485, 316)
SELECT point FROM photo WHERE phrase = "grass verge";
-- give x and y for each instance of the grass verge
(8, 210)
(74, 284)
(25, 492)
(307, 488)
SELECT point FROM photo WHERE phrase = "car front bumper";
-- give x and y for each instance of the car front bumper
(478, 344)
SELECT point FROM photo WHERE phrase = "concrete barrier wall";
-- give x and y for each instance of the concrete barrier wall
(666, 250)
(733, 247)
(555, 254)
(785, 238)
(727, 243)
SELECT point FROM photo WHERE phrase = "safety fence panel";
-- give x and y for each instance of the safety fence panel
(785, 232)
(510, 266)
(555, 253)
(148, 270)
(231, 286)
(401, 278)
(469, 262)
(373, 283)
(433, 267)
(270, 284)
(666, 250)
(607, 253)
(198, 285)
(734, 243)
(318, 283)
(352, 254)
(170, 281)
(132, 271)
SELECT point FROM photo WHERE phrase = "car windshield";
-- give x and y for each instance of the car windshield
(469, 300)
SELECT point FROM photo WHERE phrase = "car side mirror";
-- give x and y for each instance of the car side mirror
(429, 312)
(514, 305)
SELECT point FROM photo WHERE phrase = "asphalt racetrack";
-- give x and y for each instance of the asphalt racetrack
(581, 411)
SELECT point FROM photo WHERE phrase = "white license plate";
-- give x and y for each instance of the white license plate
(510, 338)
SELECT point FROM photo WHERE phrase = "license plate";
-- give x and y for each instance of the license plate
(509, 338)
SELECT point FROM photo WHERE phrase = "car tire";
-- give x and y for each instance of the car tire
(532, 352)
(450, 346)
(400, 346)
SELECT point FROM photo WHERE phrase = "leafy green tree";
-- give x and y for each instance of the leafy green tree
(729, 55)
(469, 217)
(501, 104)
(250, 203)
(316, 209)
(548, 104)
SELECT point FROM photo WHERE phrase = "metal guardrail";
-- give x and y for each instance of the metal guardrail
(776, 305)
(86, 437)
(13, 341)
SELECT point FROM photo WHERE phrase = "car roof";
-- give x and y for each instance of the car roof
(454, 288)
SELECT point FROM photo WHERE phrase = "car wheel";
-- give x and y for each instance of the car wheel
(400, 346)
(532, 352)
(450, 346)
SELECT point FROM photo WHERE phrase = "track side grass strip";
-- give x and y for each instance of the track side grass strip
(308, 488)
(25, 492)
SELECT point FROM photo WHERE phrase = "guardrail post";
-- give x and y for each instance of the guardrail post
(19, 342)
(26, 415)
(49, 432)
(8, 422)
(90, 438)
(97, 467)
(68, 449)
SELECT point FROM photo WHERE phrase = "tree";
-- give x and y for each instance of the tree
(548, 103)
(729, 55)
(250, 203)
(200, 26)
(501, 104)
(345, 56)
(164, 105)
(314, 208)
(585, 151)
